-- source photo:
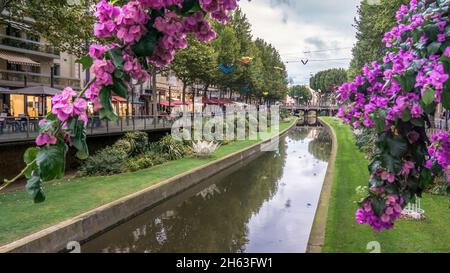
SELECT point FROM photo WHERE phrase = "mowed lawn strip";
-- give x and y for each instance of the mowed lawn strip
(68, 198)
(343, 234)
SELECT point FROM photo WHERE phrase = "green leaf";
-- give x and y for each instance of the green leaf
(445, 96)
(378, 206)
(30, 154)
(85, 61)
(428, 96)
(432, 31)
(28, 157)
(397, 146)
(190, 7)
(146, 45)
(34, 188)
(77, 131)
(433, 48)
(418, 122)
(107, 111)
(406, 116)
(391, 163)
(51, 161)
(120, 88)
(115, 54)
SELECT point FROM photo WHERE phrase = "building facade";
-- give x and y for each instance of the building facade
(26, 60)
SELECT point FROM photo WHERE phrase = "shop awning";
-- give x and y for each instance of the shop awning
(17, 59)
(4, 90)
(118, 99)
(36, 90)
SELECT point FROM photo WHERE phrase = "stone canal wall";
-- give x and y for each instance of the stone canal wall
(317, 235)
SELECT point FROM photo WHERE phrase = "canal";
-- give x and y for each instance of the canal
(266, 204)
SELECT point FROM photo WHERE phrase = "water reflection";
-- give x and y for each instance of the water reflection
(265, 206)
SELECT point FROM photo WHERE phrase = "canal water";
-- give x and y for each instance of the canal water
(266, 204)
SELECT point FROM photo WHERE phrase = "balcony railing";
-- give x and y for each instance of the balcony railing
(26, 128)
(28, 45)
(17, 78)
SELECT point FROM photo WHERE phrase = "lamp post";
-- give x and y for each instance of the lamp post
(172, 83)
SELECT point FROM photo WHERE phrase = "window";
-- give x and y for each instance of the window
(14, 67)
(33, 37)
(35, 69)
(12, 31)
(57, 70)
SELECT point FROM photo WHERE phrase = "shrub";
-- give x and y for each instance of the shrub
(169, 148)
(138, 142)
(144, 162)
(107, 161)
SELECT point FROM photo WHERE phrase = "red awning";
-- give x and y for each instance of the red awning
(225, 101)
(173, 103)
(118, 99)
(210, 101)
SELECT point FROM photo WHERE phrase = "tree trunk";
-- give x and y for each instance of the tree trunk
(154, 93)
(183, 97)
(205, 91)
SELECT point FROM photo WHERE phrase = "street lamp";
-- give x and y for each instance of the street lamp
(172, 83)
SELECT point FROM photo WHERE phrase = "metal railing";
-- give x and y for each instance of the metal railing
(14, 129)
(37, 79)
(27, 44)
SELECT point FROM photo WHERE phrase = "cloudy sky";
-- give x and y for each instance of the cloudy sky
(297, 28)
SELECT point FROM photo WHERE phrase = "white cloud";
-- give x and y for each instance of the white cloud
(294, 27)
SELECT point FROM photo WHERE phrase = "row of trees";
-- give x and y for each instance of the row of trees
(301, 94)
(325, 83)
(251, 68)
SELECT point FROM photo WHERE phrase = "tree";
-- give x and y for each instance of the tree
(301, 93)
(65, 24)
(325, 83)
(198, 62)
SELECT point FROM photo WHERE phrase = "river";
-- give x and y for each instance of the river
(263, 205)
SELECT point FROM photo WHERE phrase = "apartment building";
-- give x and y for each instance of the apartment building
(26, 61)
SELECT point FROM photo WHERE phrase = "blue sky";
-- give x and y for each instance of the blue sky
(298, 26)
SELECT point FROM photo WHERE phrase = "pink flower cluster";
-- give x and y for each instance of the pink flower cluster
(134, 68)
(64, 105)
(392, 211)
(106, 15)
(201, 27)
(174, 37)
(131, 22)
(440, 150)
(219, 9)
(127, 24)
(159, 4)
(45, 138)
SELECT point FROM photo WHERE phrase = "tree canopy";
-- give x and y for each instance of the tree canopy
(234, 62)
(301, 93)
(325, 82)
(65, 24)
